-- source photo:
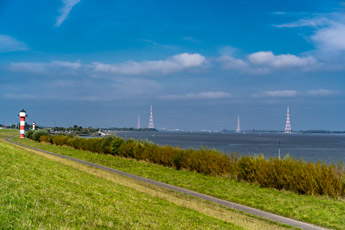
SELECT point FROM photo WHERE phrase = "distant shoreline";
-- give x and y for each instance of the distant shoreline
(281, 131)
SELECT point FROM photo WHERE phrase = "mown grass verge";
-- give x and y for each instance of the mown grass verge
(319, 210)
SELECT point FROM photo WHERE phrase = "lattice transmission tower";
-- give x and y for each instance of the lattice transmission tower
(151, 126)
(288, 125)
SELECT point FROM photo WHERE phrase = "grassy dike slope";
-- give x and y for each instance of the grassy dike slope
(36, 192)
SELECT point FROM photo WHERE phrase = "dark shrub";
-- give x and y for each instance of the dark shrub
(125, 149)
(60, 140)
(50, 139)
(29, 133)
(246, 170)
(165, 155)
(106, 147)
(138, 150)
(178, 160)
(75, 143)
(45, 138)
(37, 134)
(92, 144)
(115, 145)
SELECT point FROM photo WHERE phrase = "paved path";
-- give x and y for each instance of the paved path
(246, 209)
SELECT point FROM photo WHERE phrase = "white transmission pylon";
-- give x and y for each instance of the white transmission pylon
(288, 125)
(151, 126)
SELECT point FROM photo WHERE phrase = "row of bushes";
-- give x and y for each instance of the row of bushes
(289, 174)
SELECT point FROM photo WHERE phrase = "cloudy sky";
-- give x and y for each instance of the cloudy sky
(199, 63)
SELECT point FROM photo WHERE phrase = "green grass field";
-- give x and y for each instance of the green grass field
(40, 191)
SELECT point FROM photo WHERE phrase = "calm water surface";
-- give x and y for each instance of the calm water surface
(310, 147)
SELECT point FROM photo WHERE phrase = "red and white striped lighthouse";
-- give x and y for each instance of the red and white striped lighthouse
(33, 125)
(22, 115)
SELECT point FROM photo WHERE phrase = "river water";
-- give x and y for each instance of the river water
(310, 147)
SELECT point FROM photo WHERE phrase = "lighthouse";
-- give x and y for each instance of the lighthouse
(22, 115)
(33, 125)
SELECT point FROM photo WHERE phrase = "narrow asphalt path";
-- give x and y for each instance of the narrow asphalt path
(246, 209)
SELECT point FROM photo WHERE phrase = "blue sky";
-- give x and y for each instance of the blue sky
(199, 63)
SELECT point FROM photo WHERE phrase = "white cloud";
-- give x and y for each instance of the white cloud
(331, 38)
(279, 93)
(229, 62)
(329, 53)
(328, 32)
(72, 65)
(47, 97)
(268, 59)
(293, 93)
(65, 10)
(179, 62)
(320, 92)
(10, 44)
(197, 96)
(29, 67)
(310, 22)
(265, 62)
(173, 64)
(328, 35)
